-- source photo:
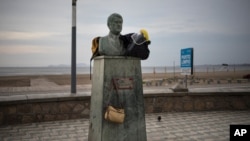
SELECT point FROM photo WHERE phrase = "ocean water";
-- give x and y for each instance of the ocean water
(17, 71)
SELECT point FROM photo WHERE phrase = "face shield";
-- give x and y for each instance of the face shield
(138, 38)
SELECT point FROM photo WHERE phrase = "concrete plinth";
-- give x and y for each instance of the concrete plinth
(125, 72)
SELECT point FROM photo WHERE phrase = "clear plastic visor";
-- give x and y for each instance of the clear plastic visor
(138, 38)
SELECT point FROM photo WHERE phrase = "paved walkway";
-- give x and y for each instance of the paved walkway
(176, 126)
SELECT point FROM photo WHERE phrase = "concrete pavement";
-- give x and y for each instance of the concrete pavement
(174, 126)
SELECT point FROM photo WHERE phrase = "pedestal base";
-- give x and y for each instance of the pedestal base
(126, 73)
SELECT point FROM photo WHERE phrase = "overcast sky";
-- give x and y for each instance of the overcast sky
(38, 32)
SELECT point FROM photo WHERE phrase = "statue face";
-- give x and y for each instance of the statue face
(115, 26)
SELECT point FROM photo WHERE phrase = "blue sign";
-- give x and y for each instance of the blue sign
(187, 61)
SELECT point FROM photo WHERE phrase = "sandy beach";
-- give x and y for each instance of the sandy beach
(84, 79)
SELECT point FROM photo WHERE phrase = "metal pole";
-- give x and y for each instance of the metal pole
(73, 51)
(154, 73)
(165, 72)
(174, 71)
(186, 81)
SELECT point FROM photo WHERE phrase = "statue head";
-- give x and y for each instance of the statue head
(115, 23)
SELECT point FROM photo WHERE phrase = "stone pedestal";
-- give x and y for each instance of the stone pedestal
(126, 73)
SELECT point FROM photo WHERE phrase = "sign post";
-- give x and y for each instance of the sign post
(187, 62)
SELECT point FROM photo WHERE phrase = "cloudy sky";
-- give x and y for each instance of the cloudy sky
(38, 32)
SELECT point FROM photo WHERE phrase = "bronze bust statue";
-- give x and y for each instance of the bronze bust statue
(111, 44)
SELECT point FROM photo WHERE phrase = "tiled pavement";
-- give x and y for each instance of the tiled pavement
(174, 126)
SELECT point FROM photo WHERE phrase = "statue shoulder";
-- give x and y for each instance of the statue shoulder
(104, 37)
(103, 41)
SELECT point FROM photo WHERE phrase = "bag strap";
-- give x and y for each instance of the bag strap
(116, 90)
(116, 93)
